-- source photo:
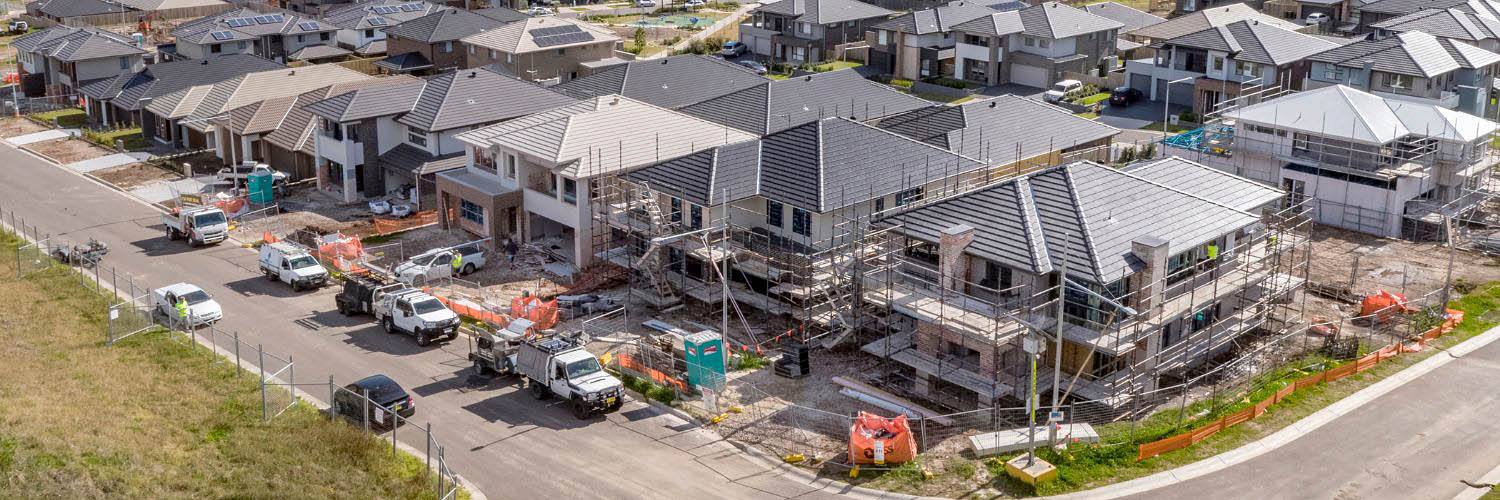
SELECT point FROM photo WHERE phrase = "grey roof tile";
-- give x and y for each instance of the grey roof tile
(1253, 41)
(1206, 182)
(781, 104)
(938, 19)
(988, 130)
(1411, 53)
(71, 44)
(129, 88)
(358, 15)
(201, 30)
(1446, 23)
(1131, 18)
(75, 8)
(824, 11)
(1218, 15)
(413, 161)
(475, 97)
(669, 82)
(443, 26)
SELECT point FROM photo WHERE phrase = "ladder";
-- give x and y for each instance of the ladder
(650, 262)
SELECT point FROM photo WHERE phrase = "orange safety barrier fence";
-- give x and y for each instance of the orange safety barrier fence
(474, 311)
(1180, 441)
(628, 361)
(383, 226)
(874, 439)
(544, 314)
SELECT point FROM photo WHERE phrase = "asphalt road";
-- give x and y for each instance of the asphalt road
(501, 440)
(1415, 442)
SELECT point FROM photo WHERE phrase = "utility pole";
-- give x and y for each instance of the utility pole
(1032, 346)
(1448, 280)
(1062, 294)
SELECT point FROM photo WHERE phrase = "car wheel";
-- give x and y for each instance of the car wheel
(468, 269)
(580, 409)
(343, 309)
(537, 390)
(390, 326)
(423, 340)
(479, 367)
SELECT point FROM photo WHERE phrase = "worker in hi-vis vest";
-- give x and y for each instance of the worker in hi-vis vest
(458, 262)
(182, 310)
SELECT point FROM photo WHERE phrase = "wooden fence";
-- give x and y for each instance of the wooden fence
(125, 17)
(1367, 362)
(366, 65)
(1109, 81)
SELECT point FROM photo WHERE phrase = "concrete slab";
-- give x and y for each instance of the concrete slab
(163, 191)
(103, 162)
(995, 443)
(45, 135)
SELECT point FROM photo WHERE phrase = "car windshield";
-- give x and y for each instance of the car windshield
(196, 297)
(582, 368)
(385, 391)
(427, 306)
(209, 219)
(303, 261)
(730, 45)
(1061, 87)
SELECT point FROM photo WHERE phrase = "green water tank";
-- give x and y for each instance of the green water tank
(260, 183)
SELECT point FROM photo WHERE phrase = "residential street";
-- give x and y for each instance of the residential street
(1415, 442)
(500, 439)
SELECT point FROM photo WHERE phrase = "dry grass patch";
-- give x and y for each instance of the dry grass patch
(153, 417)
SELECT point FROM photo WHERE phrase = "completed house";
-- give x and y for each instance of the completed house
(119, 100)
(547, 50)
(670, 82)
(273, 36)
(431, 44)
(1477, 28)
(1411, 65)
(1220, 62)
(1367, 163)
(988, 131)
(362, 25)
(533, 178)
(1034, 46)
(776, 105)
(61, 59)
(1131, 18)
(919, 44)
(1365, 16)
(1161, 266)
(806, 31)
(65, 11)
(189, 118)
(1208, 18)
(383, 138)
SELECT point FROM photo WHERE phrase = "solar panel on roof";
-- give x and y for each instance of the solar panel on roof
(238, 22)
(555, 30)
(561, 38)
(411, 7)
(386, 9)
(222, 35)
(308, 26)
(377, 21)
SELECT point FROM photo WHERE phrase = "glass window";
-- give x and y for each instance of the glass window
(125, 61)
(369, 33)
(491, 53)
(417, 137)
(1218, 63)
(510, 165)
(446, 47)
(804, 28)
(773, 213)
(1044, 43)
(471, 212)
(1030, 42)
(216, 48)
(353, 132)
(300, 39)
(695, 216)
(879, 205)
(676, 215)
(323, 36)
(570, 191)
(908, 196)
(801, 222)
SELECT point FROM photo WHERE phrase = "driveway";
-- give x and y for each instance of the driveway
(1136, 115)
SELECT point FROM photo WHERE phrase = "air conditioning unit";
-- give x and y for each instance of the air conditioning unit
(548, 82)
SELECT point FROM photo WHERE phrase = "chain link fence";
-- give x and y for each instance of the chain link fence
(131, 311)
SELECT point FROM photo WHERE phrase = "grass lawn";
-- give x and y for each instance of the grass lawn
(1087, 100)
(154, 418)
(1494, 494)
(134, 141)
(944, 99)
(1174, 129)
(837, 65)
(1090, 467)
(777, 76)
(68, 118)
(1088, 114)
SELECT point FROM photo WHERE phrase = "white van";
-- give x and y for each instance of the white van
(292, 265)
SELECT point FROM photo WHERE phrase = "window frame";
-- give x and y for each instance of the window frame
(774, 213)
(416, 139)
(470, 211)
(801, 222)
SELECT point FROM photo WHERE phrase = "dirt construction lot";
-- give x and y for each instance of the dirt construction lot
(1386, 264)
(134, 175)
(11, 127)
(67, 151)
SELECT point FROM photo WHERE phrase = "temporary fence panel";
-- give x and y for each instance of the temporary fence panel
(128, 317)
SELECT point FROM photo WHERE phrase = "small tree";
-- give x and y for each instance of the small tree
(640, 37)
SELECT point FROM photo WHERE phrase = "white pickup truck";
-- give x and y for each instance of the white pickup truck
(199, 225)
(201, 309)
(291, 265)
(414, 312)
(438, 263)
(563, 368)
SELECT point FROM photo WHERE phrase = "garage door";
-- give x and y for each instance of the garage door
(1028, 75)
(1141, 82)
(1182, 93)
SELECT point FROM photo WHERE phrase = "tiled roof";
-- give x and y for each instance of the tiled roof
(782, 104)
(1446, 23)
(1206, 182)
(1089, 212)
(604, 135)
(1209, 18)
(447, 25)
(128, 88)
(1252, 41)
(1047, 20)
(413, 161)
(820, 167)
(373, 47)
(474, 97)
(221, 97)
(502, 14)
(294, 131)
(1131, 18)
(824, 11)
(378, 14)
(246, 25)
(401, 63)
(989, 131)
(1341, 112)
(669, 82)
(939, 19)
(1411, 53)
(74, 8)
(76, 44)
(312, 52)
(521, 37)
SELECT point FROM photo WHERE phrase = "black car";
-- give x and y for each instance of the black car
(1124, 96)
(386, 397)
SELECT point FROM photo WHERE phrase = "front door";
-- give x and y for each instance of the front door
(559, 378)
(359, 178)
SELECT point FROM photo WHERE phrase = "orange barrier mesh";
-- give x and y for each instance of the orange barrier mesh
(383, 226)
(230, 205)
(892, 437)
(342, 253)
(1147, 450)
(474, 311)
(544, 314)
(629, 362)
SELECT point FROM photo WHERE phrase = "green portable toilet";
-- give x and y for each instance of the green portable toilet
(260, 183)
(704, 353)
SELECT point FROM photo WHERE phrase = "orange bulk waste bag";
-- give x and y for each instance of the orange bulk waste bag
(874, 439)
(1383, 303)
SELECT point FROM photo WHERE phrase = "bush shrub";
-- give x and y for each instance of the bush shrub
(663, 394)
(901, 84)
